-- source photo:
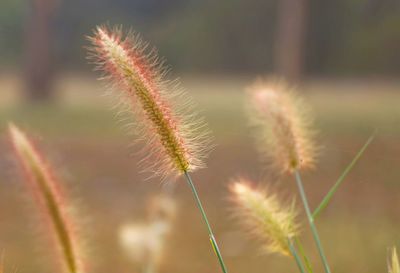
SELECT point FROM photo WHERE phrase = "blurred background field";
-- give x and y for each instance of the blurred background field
(346, 65)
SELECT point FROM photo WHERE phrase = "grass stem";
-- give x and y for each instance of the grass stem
(203, 214)
(311, 221)
(296, 256)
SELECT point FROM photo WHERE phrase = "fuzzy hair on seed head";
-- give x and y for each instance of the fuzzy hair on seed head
(48, 194)
(264, 216)
(175, 138)
(393, 264)
(282, 119)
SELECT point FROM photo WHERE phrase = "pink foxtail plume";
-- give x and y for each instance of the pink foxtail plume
(174, 141)
(46, 189)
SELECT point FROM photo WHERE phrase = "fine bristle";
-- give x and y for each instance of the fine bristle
(394, 266)
(174, 138)
(264, 217)
(285, 134)
(48, 193)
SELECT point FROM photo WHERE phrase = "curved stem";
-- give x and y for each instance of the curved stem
(204, 216)
(311, 221)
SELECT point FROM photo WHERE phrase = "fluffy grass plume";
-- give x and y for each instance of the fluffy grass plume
(285, 132)
(174, 139)
(144, 243)
(264, 216)
(48, 194)
(394, 266)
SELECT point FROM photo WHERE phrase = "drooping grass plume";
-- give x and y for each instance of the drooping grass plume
(175, 140)
(285, 134)
(48, 193)
(393, 264)
(265, 217)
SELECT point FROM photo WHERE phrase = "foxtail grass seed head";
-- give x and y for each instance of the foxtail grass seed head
(285, 134)
(47, 192)
(174, 136)
(394, 266)
(264, 217)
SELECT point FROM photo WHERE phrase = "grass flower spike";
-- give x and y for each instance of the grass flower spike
(48, 193)
(285, 135)
(176, 143)
(394, 266)
(174, 140)
(265, 217)
(285, 127)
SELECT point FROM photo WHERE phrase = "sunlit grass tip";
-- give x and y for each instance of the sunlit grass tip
(48, 193)
(176, 139)
(393, 263)
(284, 124)
(264, 216)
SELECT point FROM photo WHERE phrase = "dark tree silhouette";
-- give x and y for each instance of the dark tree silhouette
(39, 70)
(291, 32)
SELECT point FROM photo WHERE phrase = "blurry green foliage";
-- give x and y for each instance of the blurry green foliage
(344, 36)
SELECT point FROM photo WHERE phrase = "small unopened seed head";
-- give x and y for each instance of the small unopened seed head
(175, 142)
(281, 118)
(264, 216)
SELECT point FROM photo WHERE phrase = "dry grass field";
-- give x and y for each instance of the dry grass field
(93, 155)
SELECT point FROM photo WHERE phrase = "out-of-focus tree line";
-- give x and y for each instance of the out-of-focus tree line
(302, 37)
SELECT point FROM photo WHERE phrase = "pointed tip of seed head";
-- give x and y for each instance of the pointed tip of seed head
(394, 265)
(18, 137)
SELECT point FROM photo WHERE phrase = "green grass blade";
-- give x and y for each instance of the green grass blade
(349, 167)
(303, 254)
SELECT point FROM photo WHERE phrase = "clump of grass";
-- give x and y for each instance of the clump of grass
(287, 134)
(175, 142)
(48, 194)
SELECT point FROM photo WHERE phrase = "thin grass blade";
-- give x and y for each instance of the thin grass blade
(324, 203)
(303, 254)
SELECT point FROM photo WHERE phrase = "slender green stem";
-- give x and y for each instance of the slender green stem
(311, 221)
(203, 214)
(296, 256)
(303, 253)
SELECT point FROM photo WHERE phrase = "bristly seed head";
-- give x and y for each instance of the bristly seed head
(282, 119)
(264, 216)
(175, 141)
(48, 193)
